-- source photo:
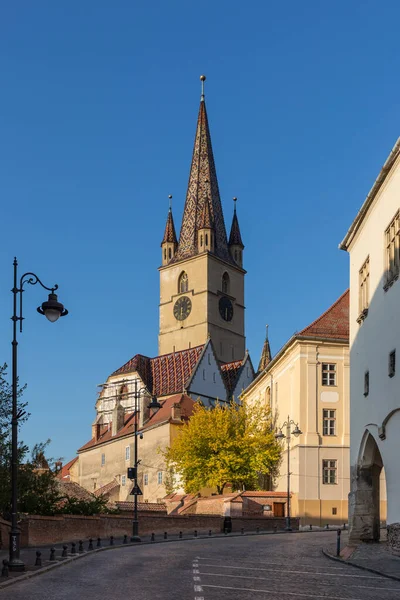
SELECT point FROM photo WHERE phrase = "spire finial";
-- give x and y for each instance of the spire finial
(170, 202)
(202, 79)
(267, 331)
(234, 203)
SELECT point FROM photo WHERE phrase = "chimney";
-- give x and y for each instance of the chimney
(117, 418)
(176, 412)
(58, 466)
(96, 431)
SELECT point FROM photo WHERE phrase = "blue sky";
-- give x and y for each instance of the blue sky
(98, 110)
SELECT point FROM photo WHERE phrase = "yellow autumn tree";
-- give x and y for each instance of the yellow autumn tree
(230, 443)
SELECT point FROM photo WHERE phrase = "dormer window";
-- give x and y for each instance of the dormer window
(225, 283)
(183, 283)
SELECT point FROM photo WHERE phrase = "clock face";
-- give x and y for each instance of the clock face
(225, 308)
(182, 308)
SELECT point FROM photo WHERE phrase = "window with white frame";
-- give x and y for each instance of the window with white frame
(146, 479)
(103, 460)
(127, 452)
(159, 477)
(328, 374)
(363, 291)
(329, 472)
(328, 421)
(392, 241)
(123, 480)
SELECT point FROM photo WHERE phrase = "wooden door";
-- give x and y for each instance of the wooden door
(279, 509)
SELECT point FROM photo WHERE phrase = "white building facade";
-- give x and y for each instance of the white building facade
(373, 242)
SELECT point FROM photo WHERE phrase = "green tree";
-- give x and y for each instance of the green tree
(229, 444)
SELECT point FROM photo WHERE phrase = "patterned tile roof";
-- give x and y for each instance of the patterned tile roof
(203, 184)
(166, 374)
(206, 220)
(333, 323)
(265, 355)
(142, 506)
(230, 373)
(234, 237)
(169, 233)
(71, 489)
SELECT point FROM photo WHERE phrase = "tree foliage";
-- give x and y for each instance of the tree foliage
(229, 444)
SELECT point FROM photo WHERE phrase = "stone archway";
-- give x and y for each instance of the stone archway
(364, 499)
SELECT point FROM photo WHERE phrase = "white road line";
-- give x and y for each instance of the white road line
(282, 564)
(286, 571)
(196, 571)
(241, 589)
(198, 588)
(196, 579)
(366, 587)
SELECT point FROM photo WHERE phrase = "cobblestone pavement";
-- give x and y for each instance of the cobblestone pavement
(284, 566)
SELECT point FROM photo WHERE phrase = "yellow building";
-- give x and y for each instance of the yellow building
(308, 382)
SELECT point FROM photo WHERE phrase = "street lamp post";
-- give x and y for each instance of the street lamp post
(52, 310)
(154, 405)
(281, 436)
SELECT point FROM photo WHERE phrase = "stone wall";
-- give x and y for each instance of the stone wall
(39, 531)
(5, 528)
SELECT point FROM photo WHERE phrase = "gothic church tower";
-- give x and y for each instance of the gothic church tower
(202, 275)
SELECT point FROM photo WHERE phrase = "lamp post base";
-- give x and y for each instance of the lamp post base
(288, 525)
(16, 564)
(135, 531)
(135, 538)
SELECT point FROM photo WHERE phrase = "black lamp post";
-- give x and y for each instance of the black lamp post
(52, 310)
(281, 436)
(154, 405)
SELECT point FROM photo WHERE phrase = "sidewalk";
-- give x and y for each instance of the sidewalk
(374, 557)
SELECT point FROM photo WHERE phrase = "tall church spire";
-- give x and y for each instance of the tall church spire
(203, 185)
(169, 241)
(265, 354)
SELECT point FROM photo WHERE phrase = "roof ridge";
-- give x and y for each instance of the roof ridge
(325, 313)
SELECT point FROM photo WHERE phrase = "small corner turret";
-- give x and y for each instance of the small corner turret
(235, 243)
(169, 243)
(206, 231)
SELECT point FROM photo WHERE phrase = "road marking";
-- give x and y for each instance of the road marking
(280, 564)
(198, 588)
(199, 598)
(284, 572)
(366, 587)
(196, 571)
(196, 578)
(241, 589)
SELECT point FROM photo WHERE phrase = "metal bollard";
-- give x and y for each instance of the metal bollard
(64, 553)
(38, 561)
(73, 548)
(165, 535)
(90, 547)
(344, 526)
(4, 570)
(125, 540)
(195, 533)
(327, 525)
(275, 528)
(310, 527)
(242, 531)
(52, 554)
(153, 537)
(338, 542)
(98, 545)
(80, 548)
(225, 531)
(258, 530)
(180, 535)
(209, 532)
(111, 540)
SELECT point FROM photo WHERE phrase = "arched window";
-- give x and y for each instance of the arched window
(201, 241)
(206, 239)
(169, 253)
(165, 254)
(225, 283)
(183, 283)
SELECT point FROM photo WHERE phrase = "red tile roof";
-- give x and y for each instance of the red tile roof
(333, 323)
(64, 473)
(163, 415)
(166, 374)
(230, 373)
(105, 490)
(150, 506)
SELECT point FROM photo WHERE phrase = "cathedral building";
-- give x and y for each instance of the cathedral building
(201, 344)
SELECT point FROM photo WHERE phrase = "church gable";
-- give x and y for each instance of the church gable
(207, 382)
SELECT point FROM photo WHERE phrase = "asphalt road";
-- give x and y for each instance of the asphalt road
(284, 566)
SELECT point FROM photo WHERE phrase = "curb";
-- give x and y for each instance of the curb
(361, 567)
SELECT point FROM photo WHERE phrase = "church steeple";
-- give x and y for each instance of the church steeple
(169, 242)
(265, 354)
(203, 185)
(235, 239)
(206, 232)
